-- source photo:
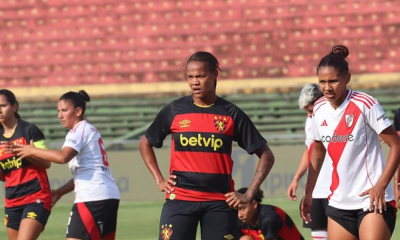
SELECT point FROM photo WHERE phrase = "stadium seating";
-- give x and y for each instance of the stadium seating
(276, 115)
(58, 42)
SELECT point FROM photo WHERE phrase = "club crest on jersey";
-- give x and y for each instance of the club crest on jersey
(220, 123)
(349, 120)
(166, 231)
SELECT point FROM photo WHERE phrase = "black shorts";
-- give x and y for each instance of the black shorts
(92, 220)
(14, 215)
(351, 219)
(318, 214)
(179, 220)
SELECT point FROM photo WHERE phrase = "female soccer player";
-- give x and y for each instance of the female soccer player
(94, 213)
(308, 96)
(347, 125)
(259, 222)
(200, 187)
(27, 190)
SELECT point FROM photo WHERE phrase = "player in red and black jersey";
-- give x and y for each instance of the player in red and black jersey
(27, 191)
(259, 222)
(200, 186)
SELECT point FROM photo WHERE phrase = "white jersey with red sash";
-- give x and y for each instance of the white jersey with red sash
(324, 180)
(90, 167)
(350, 136)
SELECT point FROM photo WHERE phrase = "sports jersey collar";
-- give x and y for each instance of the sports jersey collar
(344, 103)
(207, 106)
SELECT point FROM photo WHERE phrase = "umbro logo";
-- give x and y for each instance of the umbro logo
(324, 124)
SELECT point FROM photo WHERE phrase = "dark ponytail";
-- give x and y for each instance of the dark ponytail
(78, 99)
(336, 59)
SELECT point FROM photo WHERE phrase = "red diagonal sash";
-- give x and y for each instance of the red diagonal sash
(335, 148)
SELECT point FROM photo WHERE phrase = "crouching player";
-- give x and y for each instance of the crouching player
(262, 222)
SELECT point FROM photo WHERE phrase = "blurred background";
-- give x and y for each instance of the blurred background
(129, 55)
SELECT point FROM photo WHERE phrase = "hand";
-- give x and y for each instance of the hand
(6, 147)
(234, 199)
(291, 192)
(397, 194)
(23, 151)
(377, 198)
(166, 185)
(55, 197)
(305, 208)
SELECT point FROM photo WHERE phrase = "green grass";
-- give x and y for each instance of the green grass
(140, 220)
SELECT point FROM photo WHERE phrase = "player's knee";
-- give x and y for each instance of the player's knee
(319, 235)
(246, 237)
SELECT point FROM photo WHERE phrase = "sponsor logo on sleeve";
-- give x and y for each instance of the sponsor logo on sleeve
(382, 117)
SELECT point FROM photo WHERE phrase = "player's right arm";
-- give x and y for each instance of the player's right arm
(291, 192)
(316, 160)
(149, 158)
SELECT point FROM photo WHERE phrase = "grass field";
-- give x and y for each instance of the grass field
(139, 220)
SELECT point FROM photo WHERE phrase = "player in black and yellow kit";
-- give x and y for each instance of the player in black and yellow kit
(200, 187)
(27, 190)
(259, 222)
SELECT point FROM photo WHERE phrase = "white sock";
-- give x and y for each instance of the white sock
(319, 235)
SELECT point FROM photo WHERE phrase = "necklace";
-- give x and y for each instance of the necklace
(254, 224)
(12, 131)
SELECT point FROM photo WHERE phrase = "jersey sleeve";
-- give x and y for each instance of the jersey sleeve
(35, 134)
(377, 119)
(246, 134)
(161, 126)
(314, 130)
(397, 120)
(271, 226)
(74, 139)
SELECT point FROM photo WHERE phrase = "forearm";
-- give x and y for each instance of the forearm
(39, 162)
(392, 167)
(316, 160)
(264, 166)
(150, 160)
(55, 156)
(66, 188)
(302, 169)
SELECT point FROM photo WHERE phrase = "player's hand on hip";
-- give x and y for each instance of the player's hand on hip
(397, 195)
(166, 185)
(377, 198)
(233, 199)
(291, 192)
(305, 208)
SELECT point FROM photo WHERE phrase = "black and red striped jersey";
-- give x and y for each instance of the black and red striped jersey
(25, 182)
(273, 223)
(201, 145)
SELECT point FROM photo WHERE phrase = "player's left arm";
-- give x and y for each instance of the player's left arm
(264, 166)
(377, 120)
